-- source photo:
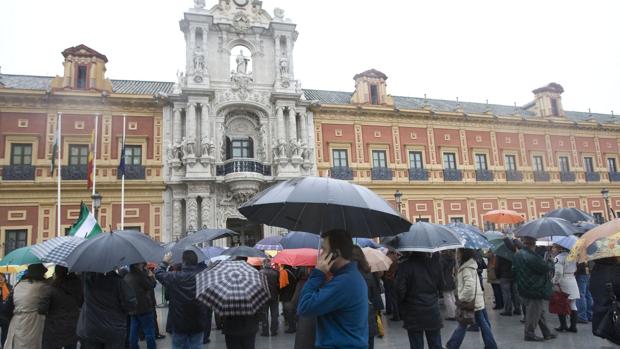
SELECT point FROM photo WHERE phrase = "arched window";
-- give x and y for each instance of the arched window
(241, 60)
(239, 148)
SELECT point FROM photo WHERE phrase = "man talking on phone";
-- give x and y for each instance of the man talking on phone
(340, 304)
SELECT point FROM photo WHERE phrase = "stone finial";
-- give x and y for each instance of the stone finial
(278, 14)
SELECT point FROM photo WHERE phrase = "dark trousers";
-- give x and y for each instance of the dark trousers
(290, 315)
(371, 342)
(273, 307)
(146, 323)
(391, 299)
(207, 333)
(535, 316)
(5, 331)
(240, 342)
(416, 339)
(498, 296)
(71, 346)
(512, 301)
(116, 344)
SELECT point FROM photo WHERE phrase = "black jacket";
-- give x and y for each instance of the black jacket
(273, 281)
(186, 312)
(142, 285)
(287, 292)
(604, 271)
(107, 302)
(503, 268)
(448, 269)
(375, 303)
(418, 283)
(61, 308)
(240, 325)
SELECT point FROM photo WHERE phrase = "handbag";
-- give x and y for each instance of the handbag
(465, 310)
(609, 327)
(380, 328)
(559, 303)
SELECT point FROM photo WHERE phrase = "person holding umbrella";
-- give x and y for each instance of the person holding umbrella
(273, 281)
(142, 284)
(375, 303)
(564, 279)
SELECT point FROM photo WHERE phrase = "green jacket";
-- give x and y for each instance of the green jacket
(532, 275)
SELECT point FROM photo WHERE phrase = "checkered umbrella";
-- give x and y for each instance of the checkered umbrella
(269, 243)
(232, 288)
(56, 250)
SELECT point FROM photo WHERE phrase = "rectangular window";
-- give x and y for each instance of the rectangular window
(564, 165)
(340, 158)
(415, 160)
(419, 219)
(374, 94)
(379, 158)
(481, 162)
(510, 161)
(611, 165)
(78, 154)
(449, 161)
(21, 154)
(81, 76)
(241, 148)
(555, 111)
(456, 220)
(598, 217)
(15, 239)
(539, 165)
(489, 226)
(588, 164)
(136, 228)
(133, 155)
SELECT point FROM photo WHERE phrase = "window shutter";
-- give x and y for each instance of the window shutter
(228, 149)
(250, 148)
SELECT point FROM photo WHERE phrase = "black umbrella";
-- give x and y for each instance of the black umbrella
(546, 226)
(317, 205)
(427, 237)
(584, 227)
(206, 235)
(460, 225)
(300, 239)
(571, 214)
(177, 252)
(108, 251)
(243, 251)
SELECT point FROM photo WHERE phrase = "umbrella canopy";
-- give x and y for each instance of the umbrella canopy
(604, 230)
(243, 251)
(108, 251)
(464, 226)
(584, 227)
(57, 250)
(317, 205)
(269, 243)
(376, 259)
(255, 261)
(472, 239)
(177, 252)
(565, 241)
(427, 237)
(297, 257)
(571, 214)
(493, 235)
(501, 250)
(20, 256)
(300, 239)
(605, 247)
(206, 235)
(365, 242)
(211, 252)
(232, 288)
(546, 226)
(503, 217)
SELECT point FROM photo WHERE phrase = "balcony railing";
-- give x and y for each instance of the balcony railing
(484, 176)
(418, 174)
(381, 174)
(541, 176)
(614, 176)
(74, 172)
(18, 173)
(567, 176)
(235, 166)
(133, 172)
(593, 177)
(514, 176)
(452, 175)
(344, 173)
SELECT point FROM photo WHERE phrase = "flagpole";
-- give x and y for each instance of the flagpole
(59, 177)
(123, 179)
(95, 159)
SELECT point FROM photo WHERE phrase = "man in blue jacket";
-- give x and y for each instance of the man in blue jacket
(340, 304)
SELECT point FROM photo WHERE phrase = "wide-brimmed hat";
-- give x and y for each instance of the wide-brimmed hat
(36, 271)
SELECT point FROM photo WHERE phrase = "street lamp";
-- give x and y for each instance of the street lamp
(96, 204)
(610, 213)
(398, 197)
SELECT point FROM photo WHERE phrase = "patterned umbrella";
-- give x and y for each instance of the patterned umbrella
(243, 251)
(57, 250)
(472, 239)
(604, 247)
(503, 217)
(269, 243)
(571, 214)
(579, 251)
(21, 256)
(546, 226)
(232, 288)
(297, 257)
(493, 235)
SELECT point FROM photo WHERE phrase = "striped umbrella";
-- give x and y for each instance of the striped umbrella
(269, 243)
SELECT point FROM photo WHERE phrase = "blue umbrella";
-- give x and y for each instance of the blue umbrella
(546, 226)
(365, 242)
(493, 235)
(565, 241)
(269, 243)
(472, 239)
(211, 252)
(299, 239)
(464, 226)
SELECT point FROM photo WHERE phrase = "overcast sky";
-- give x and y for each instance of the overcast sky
(474, 49)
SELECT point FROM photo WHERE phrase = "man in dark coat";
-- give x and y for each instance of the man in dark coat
(108, 300)
(606, 272)
(272, 306)
(286, 295)
(418, 283)
(448, 268)
(510, 293)
(142, 284)
(389, 283)
(187, 313)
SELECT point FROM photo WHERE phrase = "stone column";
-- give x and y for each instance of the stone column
(177, 218)
(176, 126)
(204, 121)
(191, 213)
(190, 122)
(303, 118)
(280, 134)
(68, 74)
(206, 213)
(292, 124)
(92, 76)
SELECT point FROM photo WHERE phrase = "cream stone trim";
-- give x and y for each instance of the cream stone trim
(420, 148)
(379, 147)
(129, 225)
(4, 229)
(341, 146)
(133, 212)
(22, 139)
(21, 215)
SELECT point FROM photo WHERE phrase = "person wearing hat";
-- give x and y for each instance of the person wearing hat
(27, 325)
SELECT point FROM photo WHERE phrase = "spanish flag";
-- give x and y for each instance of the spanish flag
(91, 159)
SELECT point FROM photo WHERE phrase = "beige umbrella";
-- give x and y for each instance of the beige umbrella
(376, 259)
(579, 251)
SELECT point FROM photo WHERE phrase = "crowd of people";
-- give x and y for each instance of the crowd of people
(339, 303)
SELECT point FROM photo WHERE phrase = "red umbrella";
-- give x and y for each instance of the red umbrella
(503, 216)
(297, 257)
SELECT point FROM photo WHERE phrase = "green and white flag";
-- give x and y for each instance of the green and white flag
(54, 152)
(86, 226)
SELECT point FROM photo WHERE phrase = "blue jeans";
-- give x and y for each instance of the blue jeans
(145, 321)
(187, 341)
(416, 339)
(485, 329)
(584, 304)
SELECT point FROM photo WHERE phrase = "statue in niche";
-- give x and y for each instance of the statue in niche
(177, 151)
(199, 63)
(170, 152)
(242, 63)
(181, 81)
(189, 147)
(280, 149)
(292, 148)
(199, 4)
(207, 147)
(284, 65)
(305, 151)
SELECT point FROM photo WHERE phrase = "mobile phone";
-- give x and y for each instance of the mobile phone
(335, 255)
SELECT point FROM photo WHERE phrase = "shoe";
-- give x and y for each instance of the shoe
(450, 319)
(550, 336)
(517, 312)
(273, 334)
(581, 321)
(533, 339)
(206, 341)
(395, 319)
(160, 336)
(264, 334)
(573, 322)
(562, 327)
(290, 330)
(505, 314)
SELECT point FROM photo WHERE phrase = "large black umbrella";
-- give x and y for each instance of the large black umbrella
(243, 251)
(317, 205)
(108, 251)
(546, 226)
(300, 239)
(584, 227)
(571, 214)
(177, 252)
(206, 235)
(427, 237)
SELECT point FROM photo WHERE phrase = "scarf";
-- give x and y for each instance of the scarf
(5, 291)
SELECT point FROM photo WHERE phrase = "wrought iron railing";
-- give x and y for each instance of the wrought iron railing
(18, 173)
(381, 173)
(418, 174)
(541, 176)
(614, 176)
(593, 177)
(74, 172)
(484, 176)
(514, 176)
(567, 176)
(236, 166)
(452, 175)
(134, 172)
(342, 172)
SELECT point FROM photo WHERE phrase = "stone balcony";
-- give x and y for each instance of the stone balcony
(514, 176)
(614, 176)
(18, 173)
(344, 173)
(484, 176)
(74, 172)
(452, 175)
(418, 174)
(242, 165)
(541, 176)
(133, 172)
(567, 176)
(244, 177)
(593, 177)
(381, 174)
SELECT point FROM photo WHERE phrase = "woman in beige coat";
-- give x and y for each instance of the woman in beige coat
(26, 327)
(468, 288)
(564, 280)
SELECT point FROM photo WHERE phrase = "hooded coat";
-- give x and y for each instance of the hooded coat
(468, 284)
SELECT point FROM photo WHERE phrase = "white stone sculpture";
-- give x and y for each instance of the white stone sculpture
(199, 4)
(242, 63)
